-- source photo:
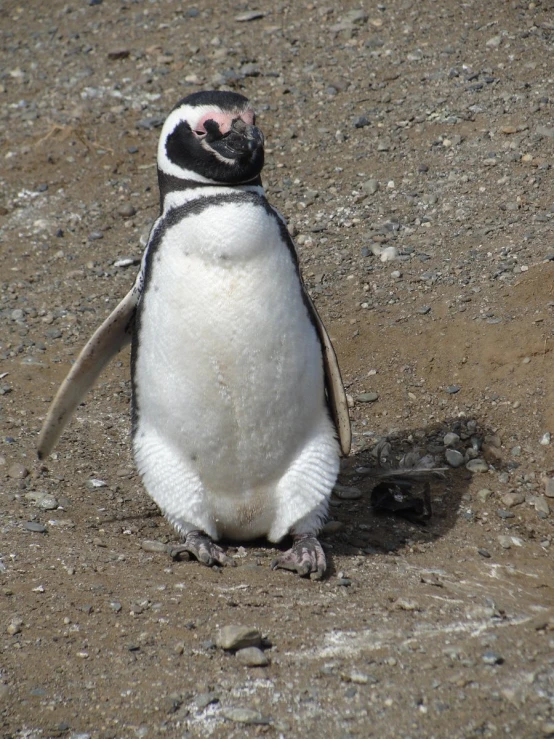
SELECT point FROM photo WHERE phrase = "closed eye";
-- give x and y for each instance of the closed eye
(200, 133)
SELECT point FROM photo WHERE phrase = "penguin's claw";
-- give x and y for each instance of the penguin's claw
(305, 557)
(204, 549)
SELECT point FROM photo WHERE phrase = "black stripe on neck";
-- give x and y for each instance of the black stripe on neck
(169, 183)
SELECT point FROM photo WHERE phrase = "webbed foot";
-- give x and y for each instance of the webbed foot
(204, 549)
(305, 557)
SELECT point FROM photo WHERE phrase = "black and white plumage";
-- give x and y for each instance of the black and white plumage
(239, 413)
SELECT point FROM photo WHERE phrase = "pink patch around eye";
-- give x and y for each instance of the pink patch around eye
(224, 120)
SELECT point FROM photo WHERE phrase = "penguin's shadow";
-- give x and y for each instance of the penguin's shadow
(416, 512)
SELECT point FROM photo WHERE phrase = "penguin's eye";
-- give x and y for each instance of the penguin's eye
(200, 133)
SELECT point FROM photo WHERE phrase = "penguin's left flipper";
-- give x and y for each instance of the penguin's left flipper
(334, 388)
(204, 549)
(305, 557)
(106, 342)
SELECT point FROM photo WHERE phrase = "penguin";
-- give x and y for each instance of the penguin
(239, 414)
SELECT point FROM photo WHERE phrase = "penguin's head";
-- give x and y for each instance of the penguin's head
(211, 137)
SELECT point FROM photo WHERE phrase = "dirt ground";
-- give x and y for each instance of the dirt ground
(422, 128)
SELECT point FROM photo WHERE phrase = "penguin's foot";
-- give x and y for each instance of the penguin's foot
(305, 557)
(204, 549)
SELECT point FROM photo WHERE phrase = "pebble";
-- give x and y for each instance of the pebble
(149, 545)
(236, 637)
(492, 658)
(509, 500)
(370, 186)
(14, 627)
(424, 309)
(252, 15)
(361, 121)
(453, 389)
(506, 542)
(95, 236)
(549, 487)
(545, 439)
(477, 465)
(454, 457)
(367, 397)
(332, 527)
(126, 210)
(18, 472)
(4, 692)
(93, 483)
(484, 553)
(344, 492)
(540, 504)
(504, 514)
(450, 439)
(244, 716)
(252, 657)
(38, 528)
(484, 494)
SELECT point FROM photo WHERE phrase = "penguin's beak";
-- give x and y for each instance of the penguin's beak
(244, 138)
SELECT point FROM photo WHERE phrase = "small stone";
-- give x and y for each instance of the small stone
(506, 542)
(549, 487)
(484, 494)
(361, 121)
(370, 186)
(118, 54)
(450, 439)
(367, 397)
(424, 309)
(95, 236)
(237, 637)
(494, 42)
(509, 500)
(453, 389)
(484, 553)
(454, 457)
(477, 465)
(94, 483)
(541, 506)
(492, 658)
(4, 692)
(37, 528)
(244, 716)
(14, 627)
(116, 606)
(203, 700)
(252, 15)
(18, 472)
(252, 657)
(332, 527)
(126, 210)
(345, 492)
(504, 514)
(154, 546)
(404, 604)
(545, 439)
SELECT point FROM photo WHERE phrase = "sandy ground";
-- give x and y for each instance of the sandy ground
(421, 127)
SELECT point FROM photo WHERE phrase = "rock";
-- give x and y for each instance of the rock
(4, 692)
(370, 186)
(252, 15)
(14, 627)
(118, 54)
(484, 494)
(252, 657)
(453, 389)
(345, 492)
(235, 637)
(494, 42)
(361, 121)
(477, 465)
(450, 439)
(492, 658)
(38, 528)
(332, 527)
(454, 458)
(93, 483)
(154, 546)
(367, 397)
(18, 472)
(244, 716)
(540, 504)
(506, 542)
(512, 499)
(126, 210)
(545, 439)
(549, 487)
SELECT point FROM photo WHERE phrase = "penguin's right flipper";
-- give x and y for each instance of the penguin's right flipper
(106, 342)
